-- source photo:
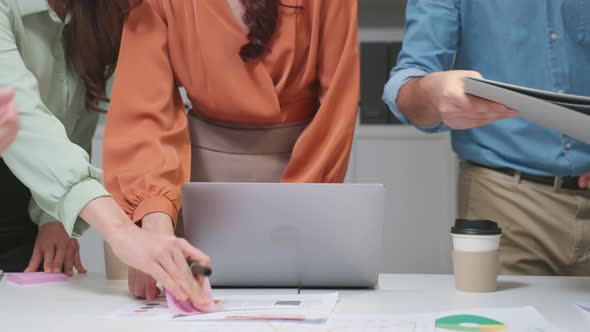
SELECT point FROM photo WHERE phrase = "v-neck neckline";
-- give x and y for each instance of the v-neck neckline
(229, 13)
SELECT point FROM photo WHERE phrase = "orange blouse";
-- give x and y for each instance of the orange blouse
(312, 70)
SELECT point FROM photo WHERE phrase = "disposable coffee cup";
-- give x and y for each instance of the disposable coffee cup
(114, 268)
(476, 255)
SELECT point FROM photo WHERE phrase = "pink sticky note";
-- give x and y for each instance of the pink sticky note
(177, 307)
(32, 278)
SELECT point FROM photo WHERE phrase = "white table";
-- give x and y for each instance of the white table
(82, 303)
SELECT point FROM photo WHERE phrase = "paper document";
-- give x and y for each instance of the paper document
(526, 319)
(568, 114)
(360, 324)
(317, 308)
(380, 324)
(585, 308)
(300, 308)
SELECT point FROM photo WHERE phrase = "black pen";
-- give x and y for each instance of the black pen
(197, 269)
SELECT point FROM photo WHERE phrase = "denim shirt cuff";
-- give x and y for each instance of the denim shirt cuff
(396, 82)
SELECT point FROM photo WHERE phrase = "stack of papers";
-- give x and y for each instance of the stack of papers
(300, 308)
(568, 114)
(313, 313)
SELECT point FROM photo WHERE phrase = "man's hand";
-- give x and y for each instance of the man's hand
(441, 97)
(57, 251)
(584, 181)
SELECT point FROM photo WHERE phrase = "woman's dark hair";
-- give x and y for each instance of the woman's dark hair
(92, 41)
(93, 37)
(260, 16)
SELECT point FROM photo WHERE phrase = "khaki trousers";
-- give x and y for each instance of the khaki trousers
(545, 231)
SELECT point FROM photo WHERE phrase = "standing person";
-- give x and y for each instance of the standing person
(57, 56)
(522, 175)
(274, 87)
(8, 119)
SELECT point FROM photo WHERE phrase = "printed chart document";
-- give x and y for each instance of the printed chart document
(568, 114)
(262, 309)
(525, 319)
(299, 308)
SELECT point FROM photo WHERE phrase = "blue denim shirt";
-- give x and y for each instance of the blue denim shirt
(542, 44)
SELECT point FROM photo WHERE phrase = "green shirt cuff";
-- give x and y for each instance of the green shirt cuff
(75, 200)
(43, 218)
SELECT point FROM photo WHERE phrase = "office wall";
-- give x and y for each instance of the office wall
(418, 170)
(381, 13)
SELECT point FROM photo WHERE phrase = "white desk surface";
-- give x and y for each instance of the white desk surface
(82, 303)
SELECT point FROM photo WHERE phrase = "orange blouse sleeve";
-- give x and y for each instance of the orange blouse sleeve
(147, 144)
(322, 152)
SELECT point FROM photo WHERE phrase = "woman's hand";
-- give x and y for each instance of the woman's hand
(162, 256)
(57, 250)
(144, 286)
(140, 284)
(8, 119)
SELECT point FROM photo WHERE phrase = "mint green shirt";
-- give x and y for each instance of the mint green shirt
(50, 153)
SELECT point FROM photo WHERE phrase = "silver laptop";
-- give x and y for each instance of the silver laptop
(287, 235)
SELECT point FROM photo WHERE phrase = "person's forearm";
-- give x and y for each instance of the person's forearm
(416, 104)
(158, 222)
(106, 217)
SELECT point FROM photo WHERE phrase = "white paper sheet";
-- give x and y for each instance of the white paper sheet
(585, 308)
(538, 108)
(526, 319)
(302, 308)
(340, 324)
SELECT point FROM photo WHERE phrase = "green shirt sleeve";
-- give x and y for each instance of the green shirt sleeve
(57, 171)
(40, 217)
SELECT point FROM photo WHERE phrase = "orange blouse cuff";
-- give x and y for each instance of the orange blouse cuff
(155, 204)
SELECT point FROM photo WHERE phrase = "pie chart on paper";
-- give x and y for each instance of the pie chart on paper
(469, 323)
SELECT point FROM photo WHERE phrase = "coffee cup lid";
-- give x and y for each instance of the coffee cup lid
(475, 227)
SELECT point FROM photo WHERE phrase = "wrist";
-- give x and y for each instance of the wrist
(415, 100)
(107, 218)
(158, 222)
